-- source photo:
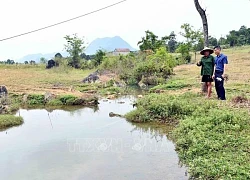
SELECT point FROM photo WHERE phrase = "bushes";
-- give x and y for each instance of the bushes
(132, 69)
(35, 99)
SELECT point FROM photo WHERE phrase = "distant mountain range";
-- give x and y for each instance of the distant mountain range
(107, 44)
(36, 57)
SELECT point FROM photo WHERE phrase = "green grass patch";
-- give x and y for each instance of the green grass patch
(7, 121)
(67, 99)
(172, 85)
(110, 90)
(212, 138)
(35, 99)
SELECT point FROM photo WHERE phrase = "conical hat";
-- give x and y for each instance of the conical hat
(206, 49)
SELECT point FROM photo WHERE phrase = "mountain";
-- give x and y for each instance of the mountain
(36, 57)
(107, 44)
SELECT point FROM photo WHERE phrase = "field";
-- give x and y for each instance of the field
(32, 79)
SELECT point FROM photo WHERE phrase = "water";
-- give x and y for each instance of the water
(86, 144)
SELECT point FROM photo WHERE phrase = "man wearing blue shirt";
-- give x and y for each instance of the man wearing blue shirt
(219, 72)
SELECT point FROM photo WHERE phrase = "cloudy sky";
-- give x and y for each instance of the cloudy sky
(128, 20)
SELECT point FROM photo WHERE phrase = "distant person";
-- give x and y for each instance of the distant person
(219, 72)
(207, 68)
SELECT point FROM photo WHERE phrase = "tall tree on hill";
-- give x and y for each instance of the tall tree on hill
(202, 13)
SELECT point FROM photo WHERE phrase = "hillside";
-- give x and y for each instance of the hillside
(107, 44)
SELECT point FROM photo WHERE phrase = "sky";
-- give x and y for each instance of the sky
(129, 20)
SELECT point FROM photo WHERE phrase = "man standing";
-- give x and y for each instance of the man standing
(219, 72)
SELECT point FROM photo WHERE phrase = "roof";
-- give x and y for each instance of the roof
(122, 50)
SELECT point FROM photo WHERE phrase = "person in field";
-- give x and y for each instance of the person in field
(219, 72)
(207, 69)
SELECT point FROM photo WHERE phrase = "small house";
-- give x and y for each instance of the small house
(121, 51)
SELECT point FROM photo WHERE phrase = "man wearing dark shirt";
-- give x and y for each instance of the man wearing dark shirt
(219, 72)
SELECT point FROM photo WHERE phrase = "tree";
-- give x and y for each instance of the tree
(183, 49)
(75, 47)
(212, 41)
(232, 38)
(43, 60)
(10, 61)
(194, 38)
(58, 55)
(99, 56)
(151, 42)
(202, 13)
(222, 41)
(172, 42)
(26, 62)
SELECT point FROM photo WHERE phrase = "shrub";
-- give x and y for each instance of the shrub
(132, 68)
(67, 99)
(35, 99)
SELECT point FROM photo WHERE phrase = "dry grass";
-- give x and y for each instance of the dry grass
(36, 79)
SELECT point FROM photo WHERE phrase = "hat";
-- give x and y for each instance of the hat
(211, 51)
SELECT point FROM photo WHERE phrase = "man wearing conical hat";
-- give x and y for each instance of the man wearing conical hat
(207, 68)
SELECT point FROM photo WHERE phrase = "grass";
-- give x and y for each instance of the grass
(7, 121)
(212, 137)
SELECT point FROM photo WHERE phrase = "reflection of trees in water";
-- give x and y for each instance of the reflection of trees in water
(72, 109)
(156, 130)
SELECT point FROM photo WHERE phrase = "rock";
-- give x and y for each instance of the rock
(92, 78)
(159, 91)
(121, 102)
(119, 84)
(111, 114)
(49, 96)
(105, 100)
(3, 91)
(149, 80)
(142, 85)
(91, 91)
(25, 98)
(140, 96)
(111, 97)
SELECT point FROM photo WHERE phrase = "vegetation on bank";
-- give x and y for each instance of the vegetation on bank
(212, 138)
(8, 120)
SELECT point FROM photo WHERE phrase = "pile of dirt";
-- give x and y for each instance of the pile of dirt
(240, 100)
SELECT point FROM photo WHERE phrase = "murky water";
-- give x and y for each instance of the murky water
(86, 144)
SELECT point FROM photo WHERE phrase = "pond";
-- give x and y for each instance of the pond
(86, 143)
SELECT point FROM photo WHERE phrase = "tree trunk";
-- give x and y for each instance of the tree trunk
(202, 13)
